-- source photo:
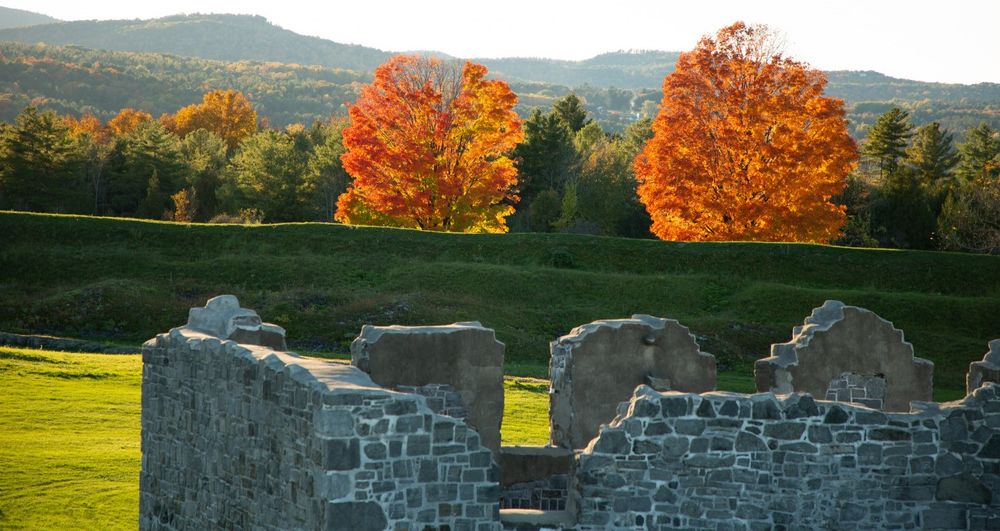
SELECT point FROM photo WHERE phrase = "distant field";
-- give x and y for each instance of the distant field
(126, 280)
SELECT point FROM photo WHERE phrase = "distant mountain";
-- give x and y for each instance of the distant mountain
(16, 18)
(76, 80)
(222, 37)
(630, 70)
(253, 38)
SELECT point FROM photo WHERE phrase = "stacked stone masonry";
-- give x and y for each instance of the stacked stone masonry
(729, 461)
(239, 436)
(237, 433)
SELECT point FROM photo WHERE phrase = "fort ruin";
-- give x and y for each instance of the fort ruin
(239, 433)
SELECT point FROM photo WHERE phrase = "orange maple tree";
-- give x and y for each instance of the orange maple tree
(90, 125)
(745, 146)
(427, 148)
(227, 113)
(127, 120)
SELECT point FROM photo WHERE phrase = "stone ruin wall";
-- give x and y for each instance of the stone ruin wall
(731, 461)
(242, 436)
(245, 435)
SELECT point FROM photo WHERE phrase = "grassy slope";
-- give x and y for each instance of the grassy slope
(127, 280)
(69, 437)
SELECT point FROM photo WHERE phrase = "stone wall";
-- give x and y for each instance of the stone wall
(838, 339)
(987, 370)
(729, 461)
(465, 356)
(597, 366)
(242, 436)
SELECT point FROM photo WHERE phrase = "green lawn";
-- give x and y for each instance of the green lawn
(69, 440)
(126, 280)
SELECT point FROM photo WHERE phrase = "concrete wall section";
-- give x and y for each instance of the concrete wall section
(729, 461)
(598, 365)
(838, 339)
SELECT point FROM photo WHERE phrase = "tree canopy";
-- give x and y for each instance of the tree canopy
(427, 148)
(745, 146)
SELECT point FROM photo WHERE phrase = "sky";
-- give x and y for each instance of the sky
(952, 42)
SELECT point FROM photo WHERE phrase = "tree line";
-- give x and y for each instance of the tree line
(916, 190)
(434, 146)
(209, 161)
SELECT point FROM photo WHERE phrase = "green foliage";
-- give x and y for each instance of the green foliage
(970, 217)
(932, 156)
(39, 165)
(979, 153)
(571, 110)
(268, 172)
(145, 170)
(544, 211)
(205, 155)
(887, 140)
(326, 178)
(546, 158)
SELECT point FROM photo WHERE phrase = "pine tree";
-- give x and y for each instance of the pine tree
(979, 153)
(571, 110)
(546, 158)
(40, 168)
(887, 140)
(932, 156)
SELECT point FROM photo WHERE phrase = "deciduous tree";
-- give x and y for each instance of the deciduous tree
(226, 113)
(745, 146)
(427, 148)
(127, 120)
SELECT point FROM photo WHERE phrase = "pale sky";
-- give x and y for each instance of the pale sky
(956, 41)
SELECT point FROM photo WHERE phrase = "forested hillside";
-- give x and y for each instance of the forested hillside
(75, 80)
(15, 18)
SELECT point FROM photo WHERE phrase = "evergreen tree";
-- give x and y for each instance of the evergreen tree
(326, 178)
(205, 155)
(932, 156)
(979, 153)
(887, 140)
(547, 157)
(571, 110)
(40, 167)
(267, 174)
(147, 152)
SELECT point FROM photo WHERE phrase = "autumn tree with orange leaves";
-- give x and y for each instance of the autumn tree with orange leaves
(127, 120)
(745, 146)
(226, 113)
(427, 148)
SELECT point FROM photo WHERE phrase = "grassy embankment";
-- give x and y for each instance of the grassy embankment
(69, 437)
(126, 280)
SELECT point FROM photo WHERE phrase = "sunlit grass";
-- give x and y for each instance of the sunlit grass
(69, 440)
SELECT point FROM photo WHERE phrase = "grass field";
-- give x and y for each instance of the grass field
(126, 280)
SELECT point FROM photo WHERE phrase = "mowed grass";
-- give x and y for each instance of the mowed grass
(69, 440)
(126, 280)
